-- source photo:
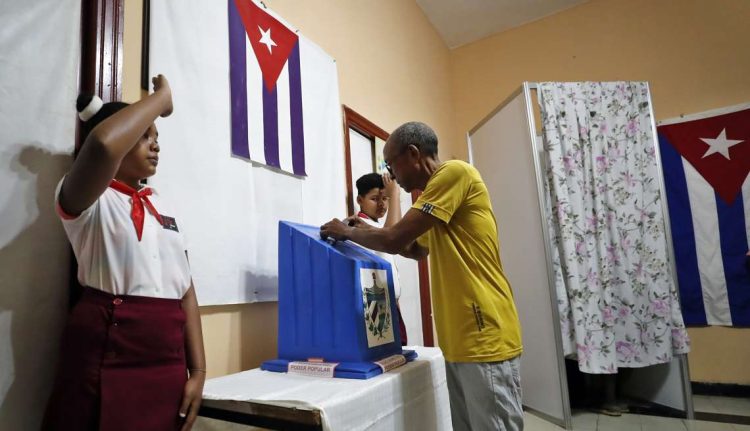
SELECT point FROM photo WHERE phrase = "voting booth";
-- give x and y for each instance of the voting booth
(337, 308)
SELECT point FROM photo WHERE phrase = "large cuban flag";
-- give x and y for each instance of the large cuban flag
(706, 160)
(266, 89)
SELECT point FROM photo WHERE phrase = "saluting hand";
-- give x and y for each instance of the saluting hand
(161, 86)
(391, 188)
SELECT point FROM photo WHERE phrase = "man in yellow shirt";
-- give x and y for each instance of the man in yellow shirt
(476, 319)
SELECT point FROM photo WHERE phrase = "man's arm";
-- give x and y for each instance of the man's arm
(397, 239)
(415, 251)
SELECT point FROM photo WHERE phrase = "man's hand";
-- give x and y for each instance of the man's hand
(335, 229)
(161, 85)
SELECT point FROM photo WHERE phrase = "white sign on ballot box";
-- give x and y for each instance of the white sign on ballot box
(313, 369)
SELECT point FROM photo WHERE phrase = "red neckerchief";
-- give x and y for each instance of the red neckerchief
(363, 215)
(138, 198)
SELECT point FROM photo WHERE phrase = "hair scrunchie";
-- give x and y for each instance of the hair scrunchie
(91, 109)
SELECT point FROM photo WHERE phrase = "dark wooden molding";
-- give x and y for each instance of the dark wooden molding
(145, 44)
(356, 121)
(347, 163)
(100, 71)
(363, 125)
(102, 27)
(723, 418)
(721, 390)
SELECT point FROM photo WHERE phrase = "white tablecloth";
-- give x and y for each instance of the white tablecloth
(414, 396)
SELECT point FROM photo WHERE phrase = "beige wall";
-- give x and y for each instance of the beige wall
(695, 54)
(392, 66)
(720, 355)
(131, 53)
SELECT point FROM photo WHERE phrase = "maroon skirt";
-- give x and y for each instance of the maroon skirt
(122, 365)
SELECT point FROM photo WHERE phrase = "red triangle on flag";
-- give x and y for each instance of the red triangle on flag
(699, 142)
(271, 40)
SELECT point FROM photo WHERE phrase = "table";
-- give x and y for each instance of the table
(413, 396)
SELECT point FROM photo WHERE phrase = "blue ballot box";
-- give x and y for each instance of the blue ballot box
(336, 304)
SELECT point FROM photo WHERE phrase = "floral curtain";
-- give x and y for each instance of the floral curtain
(616, 294)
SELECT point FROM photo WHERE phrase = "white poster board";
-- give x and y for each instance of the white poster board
(228, 207)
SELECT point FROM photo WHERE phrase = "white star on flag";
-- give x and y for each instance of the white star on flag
(720, 145)
(265, 39)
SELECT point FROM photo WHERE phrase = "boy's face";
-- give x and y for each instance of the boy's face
(373, 203)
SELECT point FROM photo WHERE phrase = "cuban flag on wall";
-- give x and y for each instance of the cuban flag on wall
(266, 89)
(706, 160)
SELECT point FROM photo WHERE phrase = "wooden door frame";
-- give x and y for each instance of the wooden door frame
(102, 28)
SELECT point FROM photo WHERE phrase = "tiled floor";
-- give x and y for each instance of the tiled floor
(585, 421)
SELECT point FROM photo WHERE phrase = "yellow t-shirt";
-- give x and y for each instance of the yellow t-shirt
(473, 304)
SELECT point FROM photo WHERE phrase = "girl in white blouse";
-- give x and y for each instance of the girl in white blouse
(132, 353)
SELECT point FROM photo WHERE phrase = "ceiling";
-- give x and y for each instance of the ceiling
(464, 21)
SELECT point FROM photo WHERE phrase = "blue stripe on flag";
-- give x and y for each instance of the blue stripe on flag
(238, 83)
(733, 249)
(295, 108)
(271, 126)
(683, 235)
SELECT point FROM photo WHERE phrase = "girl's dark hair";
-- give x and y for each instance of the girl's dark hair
(106, 110)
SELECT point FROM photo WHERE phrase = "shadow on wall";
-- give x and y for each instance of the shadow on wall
(34, 274)
(259, 321)
(260, 288)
